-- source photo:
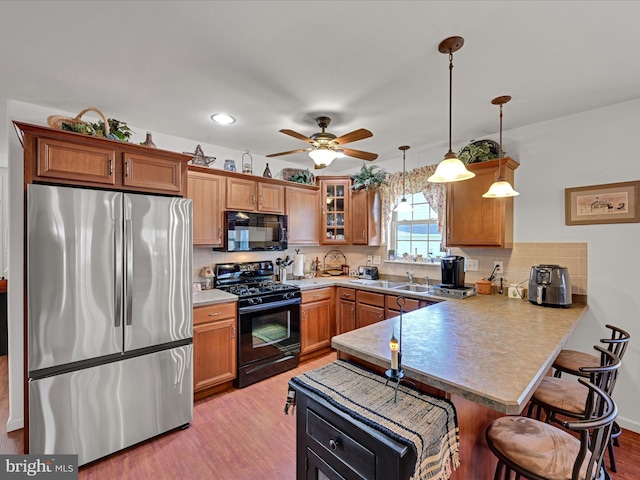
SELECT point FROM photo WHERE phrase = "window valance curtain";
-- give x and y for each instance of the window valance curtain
(415, 182)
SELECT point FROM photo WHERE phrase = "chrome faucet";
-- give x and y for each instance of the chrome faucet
(410, 275)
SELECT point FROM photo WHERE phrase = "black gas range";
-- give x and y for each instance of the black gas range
(268, 319)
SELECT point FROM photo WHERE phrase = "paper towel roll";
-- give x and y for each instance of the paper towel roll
(298, 265)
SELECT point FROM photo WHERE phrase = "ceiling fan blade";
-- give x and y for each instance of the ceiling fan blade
(297, 135)
(289, 152)
(353, 136)
(359, 154)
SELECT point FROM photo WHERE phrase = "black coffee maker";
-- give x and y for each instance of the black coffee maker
(452, 271)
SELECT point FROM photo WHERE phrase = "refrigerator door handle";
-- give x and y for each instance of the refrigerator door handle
(117, 235)
(128, 265)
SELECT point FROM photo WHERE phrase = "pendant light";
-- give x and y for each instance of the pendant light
(500, 188)
(451, 169)
(403, 205)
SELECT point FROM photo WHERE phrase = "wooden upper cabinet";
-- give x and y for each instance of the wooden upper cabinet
(335, 210)
(146, 172)
(249, 195)
(270, 198)
(241, 194)
(59, 160)
(365, 214)
(68, 158)
(474, 221)
(207, 192)
(302, 205)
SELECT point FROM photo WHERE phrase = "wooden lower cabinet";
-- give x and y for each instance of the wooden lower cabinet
(346, 313)
(214, 345)
(369, 308)
(392, 309)
(316, 320)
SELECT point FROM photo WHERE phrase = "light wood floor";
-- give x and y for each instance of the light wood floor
(237, 435)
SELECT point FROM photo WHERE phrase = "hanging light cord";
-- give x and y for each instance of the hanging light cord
(450, 98)
(404, 174)
(500, 177)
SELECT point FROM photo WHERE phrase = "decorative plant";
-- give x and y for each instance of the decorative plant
(303, 176)
(368, 178)
(479, 151)
(117, 130)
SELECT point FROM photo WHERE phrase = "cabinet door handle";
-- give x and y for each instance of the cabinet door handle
(253, 199)
(233, 331)
(219, 232)
(317, 295)
(261, 200)
(364, 233)
(215, 314)
(304, 315)
(333, 444)
(126, 169)
(353, 313)
(110, 167)
(347, 295)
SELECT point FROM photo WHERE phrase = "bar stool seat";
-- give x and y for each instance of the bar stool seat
(570, 361)
(566, 396)
(541, 451)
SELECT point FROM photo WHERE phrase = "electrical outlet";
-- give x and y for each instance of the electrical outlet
(369, 259)
(500, 269)
(471, 264)
(376, 259)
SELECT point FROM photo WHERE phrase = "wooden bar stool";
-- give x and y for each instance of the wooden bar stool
(540, 451)
(570, 361)
(566, 396)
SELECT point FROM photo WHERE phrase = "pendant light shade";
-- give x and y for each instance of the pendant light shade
(403, 205)
(451, 169)
(500, 188)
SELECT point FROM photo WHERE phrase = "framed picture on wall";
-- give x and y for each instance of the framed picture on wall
(607, 203)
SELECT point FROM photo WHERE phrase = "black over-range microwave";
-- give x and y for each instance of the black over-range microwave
(252, 231)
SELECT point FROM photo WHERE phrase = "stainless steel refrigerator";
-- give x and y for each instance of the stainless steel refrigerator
(110, 319)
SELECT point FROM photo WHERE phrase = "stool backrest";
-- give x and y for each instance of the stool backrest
(604, 376)
(618, 342)
(594, 431)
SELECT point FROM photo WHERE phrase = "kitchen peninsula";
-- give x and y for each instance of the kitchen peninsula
(487, 354)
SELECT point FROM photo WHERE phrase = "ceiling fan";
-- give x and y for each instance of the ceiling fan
(326, 146)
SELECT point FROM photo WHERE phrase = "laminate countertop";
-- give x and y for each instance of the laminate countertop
(489, 349)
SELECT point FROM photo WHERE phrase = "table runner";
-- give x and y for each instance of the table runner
(424, 423)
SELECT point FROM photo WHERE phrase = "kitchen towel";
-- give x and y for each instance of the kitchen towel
(298, 265)
(424, 423)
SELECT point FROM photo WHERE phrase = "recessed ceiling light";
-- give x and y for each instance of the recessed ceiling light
(223, 118)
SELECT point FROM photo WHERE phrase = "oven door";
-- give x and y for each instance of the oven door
(269, 335)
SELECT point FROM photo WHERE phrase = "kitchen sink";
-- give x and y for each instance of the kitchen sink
(378, 283)
(413, 287)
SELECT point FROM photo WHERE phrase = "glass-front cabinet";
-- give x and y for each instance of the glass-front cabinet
(335, 210)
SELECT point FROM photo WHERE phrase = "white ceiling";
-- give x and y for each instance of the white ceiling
(166, 66)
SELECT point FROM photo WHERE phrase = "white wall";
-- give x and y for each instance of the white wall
(586, 149)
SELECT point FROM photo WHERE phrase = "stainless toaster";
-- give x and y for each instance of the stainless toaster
(369, 273)
(550, 286)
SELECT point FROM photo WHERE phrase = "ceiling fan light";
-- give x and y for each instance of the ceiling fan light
(322, 156)
(500, 189)
(403, 206)
(450, 170)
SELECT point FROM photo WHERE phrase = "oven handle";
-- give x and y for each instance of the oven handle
(266, 306)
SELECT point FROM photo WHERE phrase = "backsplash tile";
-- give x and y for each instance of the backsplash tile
(517, 261)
